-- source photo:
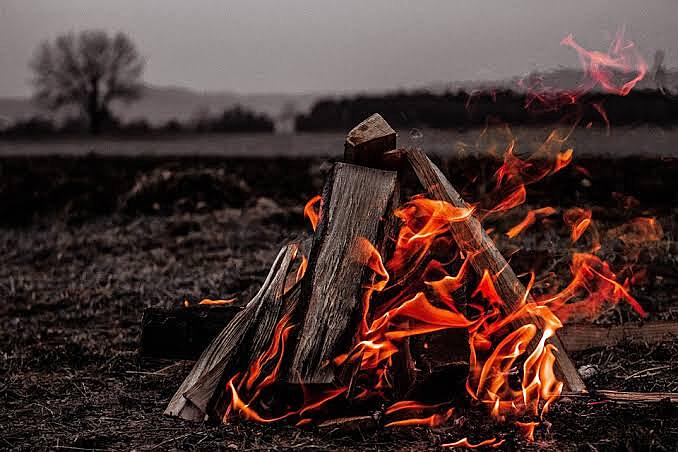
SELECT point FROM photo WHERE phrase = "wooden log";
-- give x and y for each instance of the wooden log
(586, 336)
(348, 425)
(355, 200)
(626, 396)
(237, 343)
(474, 241)
(182, 333)
(367, 142)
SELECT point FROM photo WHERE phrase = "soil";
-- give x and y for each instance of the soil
(87, 243)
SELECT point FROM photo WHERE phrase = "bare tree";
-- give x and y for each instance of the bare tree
(89, 71)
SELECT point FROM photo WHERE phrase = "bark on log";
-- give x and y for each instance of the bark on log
(237, 343)
(471, 238)
(182, 333)
(583, 337)
(355, 200)
(367, 142)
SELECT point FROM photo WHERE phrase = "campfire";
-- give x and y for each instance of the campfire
(398, 311)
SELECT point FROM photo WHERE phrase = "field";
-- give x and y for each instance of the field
(87, 242)
(647, 141)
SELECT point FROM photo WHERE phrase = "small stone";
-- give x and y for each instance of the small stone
(588, 371)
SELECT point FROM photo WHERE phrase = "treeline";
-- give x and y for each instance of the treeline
(461, 109)
(233, 120)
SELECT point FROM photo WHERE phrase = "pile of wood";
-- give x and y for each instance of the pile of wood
(358, 199)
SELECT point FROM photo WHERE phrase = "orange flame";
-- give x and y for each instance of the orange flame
(579, 220)
(222, 302)
(312, 210)
(464, 442)
(530, 219)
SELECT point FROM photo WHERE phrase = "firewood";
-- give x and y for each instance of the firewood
(367, 142)
(348, 425)
(243, 338)
(626, 396)
(184, 332)
(474, 241)
(583, 337)
(355, 200)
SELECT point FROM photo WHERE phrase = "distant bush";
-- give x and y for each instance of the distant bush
(236, 119)
(461, 109)
(233, 120)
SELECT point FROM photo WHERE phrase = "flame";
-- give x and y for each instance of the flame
(579, 220)
(312, 210)
(530, 219)
(622, 56)
(527, 429)
(433, 420)
(464, 442)
(222, 302)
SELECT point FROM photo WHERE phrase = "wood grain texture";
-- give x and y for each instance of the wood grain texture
(472, 238)
(367, 142)
(196, 393)
(355, 200)
(626, 396)
(586, 336)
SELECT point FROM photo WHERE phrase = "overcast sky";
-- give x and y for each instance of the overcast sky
(253, 46)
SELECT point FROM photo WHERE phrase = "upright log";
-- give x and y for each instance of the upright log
(474, 241)
(249, 329)
(355, 200)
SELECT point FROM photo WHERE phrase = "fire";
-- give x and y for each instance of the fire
(417, 291)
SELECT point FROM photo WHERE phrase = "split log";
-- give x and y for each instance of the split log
(626, 396)
(244, 338)
(182, 333)
(583, 337)
(367, 142)
(355, 200)
(474, 241)
(348, 425)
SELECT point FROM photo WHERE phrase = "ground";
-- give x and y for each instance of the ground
(87, 243)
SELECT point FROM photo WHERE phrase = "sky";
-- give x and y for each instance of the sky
(296, 46)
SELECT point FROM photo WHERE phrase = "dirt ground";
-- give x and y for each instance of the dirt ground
(87, 243)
